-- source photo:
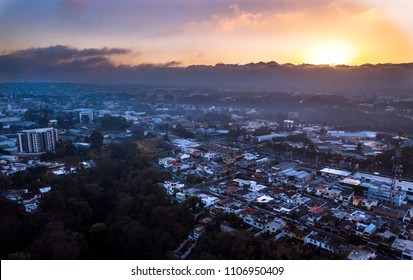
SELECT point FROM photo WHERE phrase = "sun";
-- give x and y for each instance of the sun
(331, 53)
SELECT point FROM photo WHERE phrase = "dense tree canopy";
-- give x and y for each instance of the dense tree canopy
(115, 211)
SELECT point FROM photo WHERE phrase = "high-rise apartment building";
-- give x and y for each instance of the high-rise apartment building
(34, 141)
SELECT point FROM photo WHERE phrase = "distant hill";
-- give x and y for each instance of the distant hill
(65, 64)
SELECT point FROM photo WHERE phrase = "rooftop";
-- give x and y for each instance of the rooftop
(335, 172)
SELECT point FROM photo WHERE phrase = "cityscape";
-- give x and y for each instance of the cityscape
(187, 130)
(232, 172)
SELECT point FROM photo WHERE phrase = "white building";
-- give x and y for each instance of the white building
(288, 124)
(86, 116)
(208, 200)
(329, 172)
(400, 185)
(171, 187)
(405, 247)
(275, 225)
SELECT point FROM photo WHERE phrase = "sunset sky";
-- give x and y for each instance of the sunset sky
(188, 32)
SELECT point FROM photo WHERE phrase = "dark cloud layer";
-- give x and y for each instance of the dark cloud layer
(55, 60)
(59, 53)
(67, 64)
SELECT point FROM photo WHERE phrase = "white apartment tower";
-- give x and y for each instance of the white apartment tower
(35, 141)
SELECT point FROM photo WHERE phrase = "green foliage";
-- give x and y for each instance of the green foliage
(113, 123)
(241, 245)
(115, 211)
(183, 132)
(261, 131)
(236, 132)
(192, 202)
(96, 139)
(4, 152)
(19, 256)
(41, 116)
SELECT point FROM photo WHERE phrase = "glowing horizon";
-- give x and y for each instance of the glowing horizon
(233, 32)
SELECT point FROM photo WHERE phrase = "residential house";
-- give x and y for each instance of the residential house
(275, 225)
(404, 248)
(171, 187)
(362, 253)
(321, 240)
(300, 232)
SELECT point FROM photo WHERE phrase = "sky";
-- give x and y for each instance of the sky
(174, 33)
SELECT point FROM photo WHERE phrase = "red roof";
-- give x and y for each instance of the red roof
(247, 211)
(316, 210)
(231, 189)
(365, 248)
(321, 187)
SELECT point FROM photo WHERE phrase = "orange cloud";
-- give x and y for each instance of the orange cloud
(239, 35)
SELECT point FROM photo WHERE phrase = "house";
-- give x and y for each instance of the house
(300, 232)
(297, 176)
(198, 231)
(255, 218)
(173, 186)
(362, 253)
(274, 225)
(321, 189)
(208, 200)
(254, 187)
(166, 162)
(393, 213)
(228, 205)
(191, 192)
(357, 199)
(231, 189)
(321, 240)
(264, 199)
(180, 196)
(331, 194)
(404, 248)
(369, 230)
(369, 203)
(346, 197)
(315, 214)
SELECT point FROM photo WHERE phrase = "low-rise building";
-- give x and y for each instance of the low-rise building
(362, 253)
(275, 225)
(171, 187)
(404, 248)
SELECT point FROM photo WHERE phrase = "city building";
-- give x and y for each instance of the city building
(86, 116)
(36, 141)
(288, 124)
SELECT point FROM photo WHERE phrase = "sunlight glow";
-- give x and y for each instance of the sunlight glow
(332, 53)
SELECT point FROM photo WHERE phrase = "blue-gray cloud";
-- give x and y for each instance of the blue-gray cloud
(67, 64)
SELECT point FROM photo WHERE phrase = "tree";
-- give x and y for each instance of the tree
(114, 123)
(166, 137)
(96, 139)
(4, 152)
(183, 132)
(192, 202)
(97, 233)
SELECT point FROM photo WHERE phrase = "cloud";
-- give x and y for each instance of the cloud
(67, 64)
(56, 60)
(62, 53)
